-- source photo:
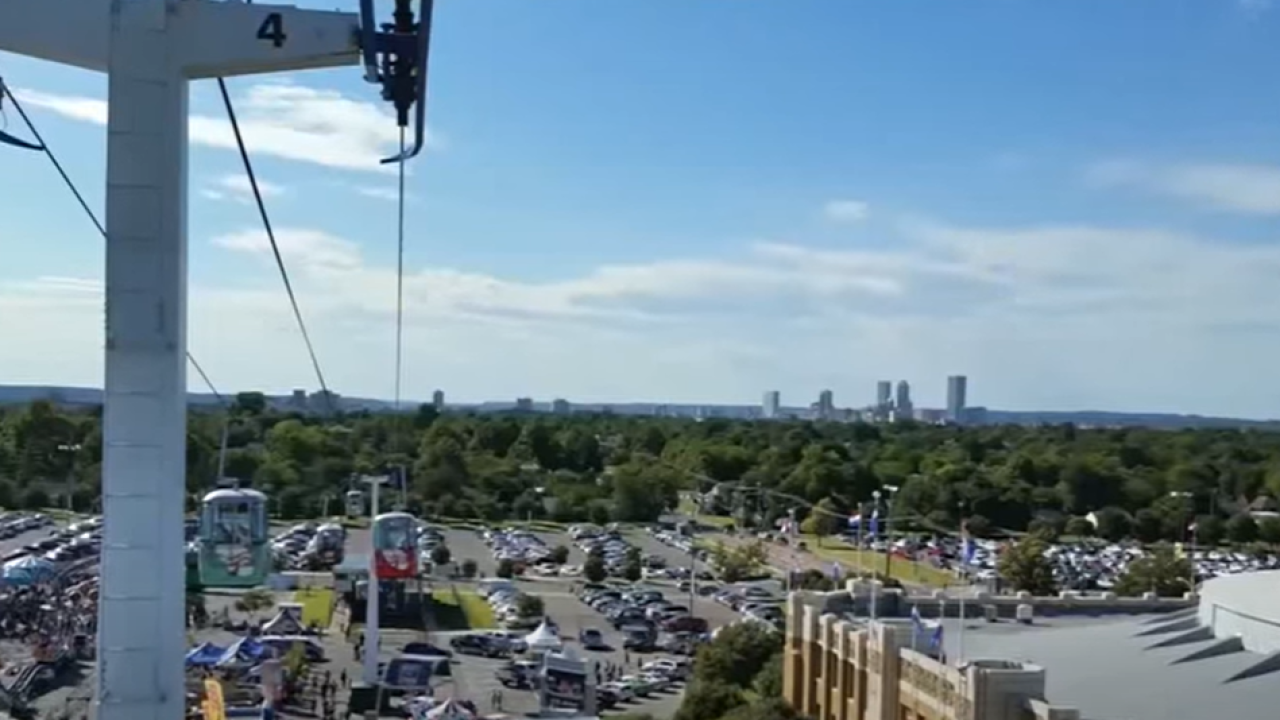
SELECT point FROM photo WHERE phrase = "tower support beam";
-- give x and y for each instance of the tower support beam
(150, 49)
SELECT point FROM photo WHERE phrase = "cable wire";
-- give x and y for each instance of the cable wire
(102, 230)
(275, 248)
(404, 483)
(400, 280)
(4, 90)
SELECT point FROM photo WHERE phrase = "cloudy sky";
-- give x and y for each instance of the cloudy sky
(1073, 203)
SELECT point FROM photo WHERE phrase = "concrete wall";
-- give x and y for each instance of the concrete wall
(1245, 606)
(853, 670)
(898, 603)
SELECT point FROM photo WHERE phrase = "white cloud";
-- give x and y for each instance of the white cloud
(389, 194)
(1244, 189)
(1049, 317)
(846, 210)
(238, 188)
(284, 120)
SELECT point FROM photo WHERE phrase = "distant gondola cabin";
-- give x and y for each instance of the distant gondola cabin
(233, 538)
(355, 504)
(395, 546)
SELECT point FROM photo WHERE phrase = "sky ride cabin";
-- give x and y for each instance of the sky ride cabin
(232, 550)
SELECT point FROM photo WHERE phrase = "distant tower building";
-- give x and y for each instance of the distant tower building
(957, 385)
(524, 404)
(560, 406)
(437, 399)
(884, 394)
(771, 405)
(826, 405)
(902, 403)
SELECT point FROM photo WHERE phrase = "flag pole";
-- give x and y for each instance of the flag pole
(873, 529)
(964, 586)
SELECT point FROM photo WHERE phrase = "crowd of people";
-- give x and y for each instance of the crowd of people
(55, 620)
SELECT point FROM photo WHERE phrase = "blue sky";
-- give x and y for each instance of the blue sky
(1073, 203)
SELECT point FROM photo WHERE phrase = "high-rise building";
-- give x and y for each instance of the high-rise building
(826, 405)
(957, 385)
(884, 394)
(771, 405)
(560, 406)
(902, 403)
(437, 399)
(524, 404)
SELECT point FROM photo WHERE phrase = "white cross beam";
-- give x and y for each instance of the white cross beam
(150, 49)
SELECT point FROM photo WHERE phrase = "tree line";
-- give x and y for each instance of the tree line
(1147, 484)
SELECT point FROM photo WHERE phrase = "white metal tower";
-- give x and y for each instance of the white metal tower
(150, 49)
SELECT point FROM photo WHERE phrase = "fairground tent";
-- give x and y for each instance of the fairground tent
(204, 655)
(26, 571)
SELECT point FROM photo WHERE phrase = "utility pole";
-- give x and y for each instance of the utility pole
(70, 449)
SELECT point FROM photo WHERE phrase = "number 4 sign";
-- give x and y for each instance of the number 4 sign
(272, 30)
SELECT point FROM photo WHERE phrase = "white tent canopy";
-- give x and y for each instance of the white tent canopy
(449, 710)
(543, 639)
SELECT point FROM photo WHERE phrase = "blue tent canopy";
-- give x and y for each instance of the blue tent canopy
(204, 655)
(245, 651)
(27, 570)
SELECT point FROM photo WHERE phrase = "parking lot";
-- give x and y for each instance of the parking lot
(476, 678)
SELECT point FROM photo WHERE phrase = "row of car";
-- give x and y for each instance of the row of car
(655, 676)
(62, 545)
(641, 614)
(505, 599)
(14, 524)
(310, 546)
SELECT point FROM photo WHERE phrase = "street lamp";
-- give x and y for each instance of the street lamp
(371, 634)
(70, 449)
(1189, 528)
(890, 491)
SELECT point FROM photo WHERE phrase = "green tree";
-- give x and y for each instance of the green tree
(1114, 524)
(632, 567)
(1210, 530)
(767, 708)
(708, 701)
(1241, 528)
(1079, 527)
(737, 655)
(741, 562)
(440, 555)
(1269, 530)
(1024, 566)
(531, 606)
(1160, 571)
(768, 682)
(594, 569)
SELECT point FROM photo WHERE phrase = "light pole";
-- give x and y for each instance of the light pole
(875, 510)
(1189, 529)
(890, 491)
(371, 635)
(70, 449)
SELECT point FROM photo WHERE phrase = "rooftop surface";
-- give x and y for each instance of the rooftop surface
(1109, 669)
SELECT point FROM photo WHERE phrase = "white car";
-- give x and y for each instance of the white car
(673, 669)
(638, 685)
(623, 691)
(657, 681)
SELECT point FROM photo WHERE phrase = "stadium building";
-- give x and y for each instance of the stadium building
(1217, 658)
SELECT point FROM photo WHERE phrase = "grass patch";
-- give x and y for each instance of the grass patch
(688, 507)
(907, 571)
(317, 606)
(461, 610)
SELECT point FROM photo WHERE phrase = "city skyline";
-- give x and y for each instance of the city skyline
(894, 190)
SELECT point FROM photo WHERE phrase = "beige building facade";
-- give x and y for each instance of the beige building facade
(884, 670)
